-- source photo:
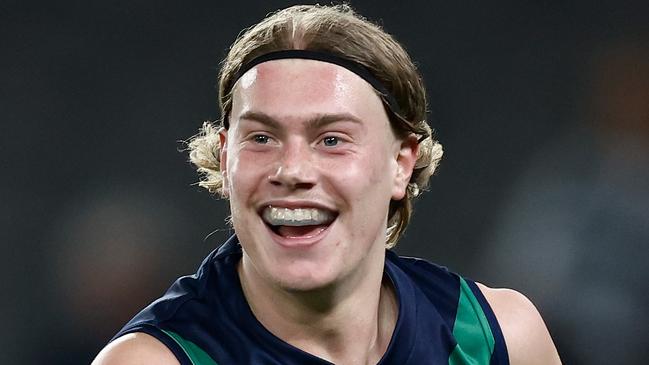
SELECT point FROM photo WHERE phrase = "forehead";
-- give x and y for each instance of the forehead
(297, 88)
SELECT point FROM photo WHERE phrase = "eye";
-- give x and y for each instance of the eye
(330, 141)
(261, 138)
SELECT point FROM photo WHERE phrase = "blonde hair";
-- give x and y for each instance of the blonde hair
(340, 31)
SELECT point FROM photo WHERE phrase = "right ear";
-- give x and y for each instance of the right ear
(223, 161)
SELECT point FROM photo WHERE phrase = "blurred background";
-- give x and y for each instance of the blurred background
(542, 108)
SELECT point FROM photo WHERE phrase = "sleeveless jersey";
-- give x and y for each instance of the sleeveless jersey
(205, 319)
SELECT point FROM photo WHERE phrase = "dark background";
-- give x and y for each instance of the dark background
(542, 108)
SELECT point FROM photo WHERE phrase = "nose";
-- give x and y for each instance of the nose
(295, 169)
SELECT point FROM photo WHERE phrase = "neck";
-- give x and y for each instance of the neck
(349, 322)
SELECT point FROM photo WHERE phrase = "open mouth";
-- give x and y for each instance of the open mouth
(299, 222)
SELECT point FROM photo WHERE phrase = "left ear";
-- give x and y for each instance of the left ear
(406, 158)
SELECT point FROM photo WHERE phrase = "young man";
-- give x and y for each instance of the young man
(322, 147)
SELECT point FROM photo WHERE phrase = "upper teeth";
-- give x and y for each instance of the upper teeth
(296, 217)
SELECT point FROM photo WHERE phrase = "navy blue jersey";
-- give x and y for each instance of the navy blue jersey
(205, 319)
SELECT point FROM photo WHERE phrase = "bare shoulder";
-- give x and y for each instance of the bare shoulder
(135, 349)
(526, 335)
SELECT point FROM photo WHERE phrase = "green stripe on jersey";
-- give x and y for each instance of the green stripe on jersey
(195, 354)
(475, 341)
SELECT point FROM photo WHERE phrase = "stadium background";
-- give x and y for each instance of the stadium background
(542, 108)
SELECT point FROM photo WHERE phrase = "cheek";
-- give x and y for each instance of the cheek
(363, 178)
(244, 174)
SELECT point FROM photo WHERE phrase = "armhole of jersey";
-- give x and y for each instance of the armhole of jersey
(476, 330)
(163, 337)
(499, 355)
(195, 354)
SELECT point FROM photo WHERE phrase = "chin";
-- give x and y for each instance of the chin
(304, 276)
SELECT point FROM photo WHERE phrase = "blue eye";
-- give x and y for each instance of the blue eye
(330, 141)
(261, 139)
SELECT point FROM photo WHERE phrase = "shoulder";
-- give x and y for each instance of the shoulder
(135, 349)
(526, 336)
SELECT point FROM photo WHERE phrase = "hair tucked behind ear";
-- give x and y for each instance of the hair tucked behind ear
(204, 152)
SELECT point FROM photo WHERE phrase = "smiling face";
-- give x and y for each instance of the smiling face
(310, 165)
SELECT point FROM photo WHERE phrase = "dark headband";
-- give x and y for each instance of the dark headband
(355, 67)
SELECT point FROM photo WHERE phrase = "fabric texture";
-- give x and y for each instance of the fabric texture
(205, 319)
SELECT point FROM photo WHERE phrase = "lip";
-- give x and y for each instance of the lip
(295, 204)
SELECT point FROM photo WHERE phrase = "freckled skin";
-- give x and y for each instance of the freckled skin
(357, 178)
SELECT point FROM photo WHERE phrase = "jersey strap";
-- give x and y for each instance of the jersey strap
(195, 354)
(472, 329)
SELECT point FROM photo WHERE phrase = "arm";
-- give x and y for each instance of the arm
(135, 349)
(526, 336)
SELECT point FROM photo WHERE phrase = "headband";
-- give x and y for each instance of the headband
(388, 99)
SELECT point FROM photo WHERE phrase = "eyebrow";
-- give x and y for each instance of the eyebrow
(315, 122)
